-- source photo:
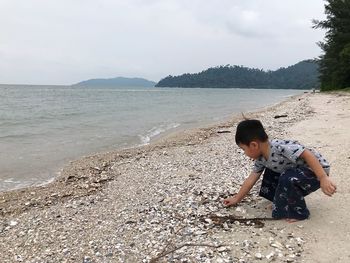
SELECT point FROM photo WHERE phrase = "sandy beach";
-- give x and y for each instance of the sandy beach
(163, 202)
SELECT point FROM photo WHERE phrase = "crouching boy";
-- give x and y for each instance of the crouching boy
(290, 172)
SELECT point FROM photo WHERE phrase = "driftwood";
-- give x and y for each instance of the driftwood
(169, 251)
(255, 221)
(280, 116)
(217, 221)
(223, 131)
(164, 253)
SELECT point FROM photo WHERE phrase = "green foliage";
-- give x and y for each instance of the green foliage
(335, 62)
(303, 75)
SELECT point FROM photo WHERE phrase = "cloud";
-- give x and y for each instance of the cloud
(65, 41)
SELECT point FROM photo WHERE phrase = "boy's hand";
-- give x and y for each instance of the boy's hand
(327, 186)
(230, 201)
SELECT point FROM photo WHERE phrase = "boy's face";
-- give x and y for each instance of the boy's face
(252, 150)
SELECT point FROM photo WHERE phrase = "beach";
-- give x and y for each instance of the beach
(42, 128)
(163, 202)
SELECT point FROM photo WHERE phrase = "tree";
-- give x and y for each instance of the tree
(303, 75)
(335, 62)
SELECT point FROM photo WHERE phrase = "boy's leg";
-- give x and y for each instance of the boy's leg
(293, 185)
(269, 184)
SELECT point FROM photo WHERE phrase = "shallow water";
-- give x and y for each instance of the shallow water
(44, 127)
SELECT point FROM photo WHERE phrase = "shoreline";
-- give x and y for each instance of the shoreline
(77, 167)
(184, 128)
(131, 205)
(225, 122)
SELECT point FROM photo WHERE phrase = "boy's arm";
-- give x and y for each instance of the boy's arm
(245, 188)
(327, 186)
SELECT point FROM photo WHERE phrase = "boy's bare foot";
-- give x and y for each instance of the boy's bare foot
(292, 220)
(268, 207)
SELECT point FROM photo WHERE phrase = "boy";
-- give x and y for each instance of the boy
(290, 172)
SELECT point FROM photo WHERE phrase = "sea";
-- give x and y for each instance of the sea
(43, 128)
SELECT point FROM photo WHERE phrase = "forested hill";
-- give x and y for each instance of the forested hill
(303, 75)
(116, 82)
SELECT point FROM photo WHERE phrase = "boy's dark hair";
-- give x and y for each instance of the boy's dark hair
(250, 130)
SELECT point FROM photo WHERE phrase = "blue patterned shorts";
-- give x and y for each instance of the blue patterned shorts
(287, 191)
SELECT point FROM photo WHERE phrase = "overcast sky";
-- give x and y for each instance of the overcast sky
(66, 41)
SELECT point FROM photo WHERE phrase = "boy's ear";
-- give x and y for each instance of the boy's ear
(254, 144)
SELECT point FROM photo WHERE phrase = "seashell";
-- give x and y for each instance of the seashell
(270, 255)
(200, 232)
(223, 249)
(13, 223)
(208, 220)
(276, 244)
(258, 255)
(299, 240)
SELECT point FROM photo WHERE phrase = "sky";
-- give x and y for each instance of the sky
(61, 42)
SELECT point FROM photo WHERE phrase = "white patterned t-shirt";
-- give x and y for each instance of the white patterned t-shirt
(285, 154)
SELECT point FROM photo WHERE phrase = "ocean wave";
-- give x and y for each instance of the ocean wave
(7, 124)
(12, 183)
(151, 133)
(23, 135)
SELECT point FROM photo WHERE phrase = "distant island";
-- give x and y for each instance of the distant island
(303, 75)
(116, 82)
